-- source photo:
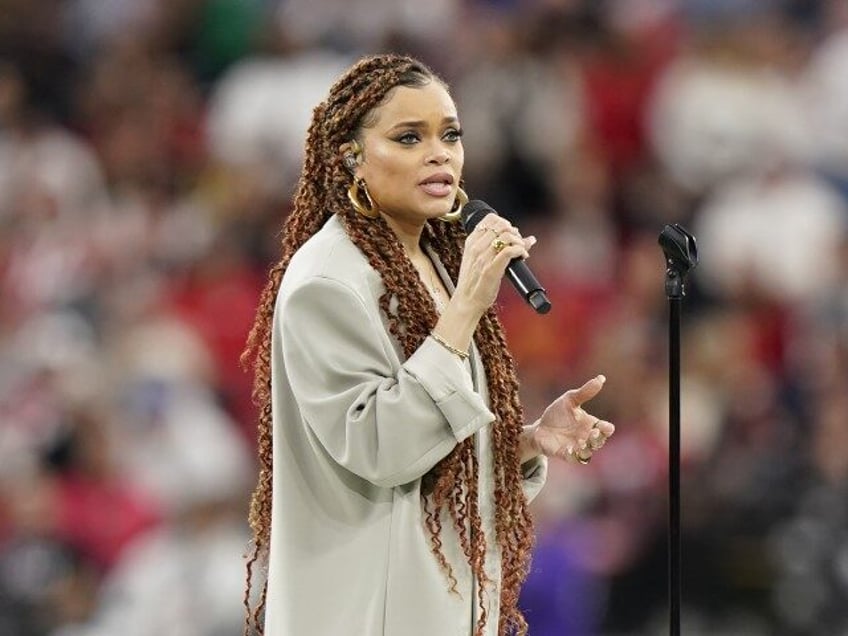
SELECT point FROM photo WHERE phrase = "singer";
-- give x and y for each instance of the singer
(396, 466)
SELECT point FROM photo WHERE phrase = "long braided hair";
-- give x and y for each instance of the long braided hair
(451, 486)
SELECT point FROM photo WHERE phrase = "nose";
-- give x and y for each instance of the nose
(439, 156)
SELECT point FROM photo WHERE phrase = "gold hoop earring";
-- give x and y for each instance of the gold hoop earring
(353, 192)
(456, 211)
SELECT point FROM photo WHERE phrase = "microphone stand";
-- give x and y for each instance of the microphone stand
(681, 255)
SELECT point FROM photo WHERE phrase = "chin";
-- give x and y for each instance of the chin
(437, 209)
(423, 210)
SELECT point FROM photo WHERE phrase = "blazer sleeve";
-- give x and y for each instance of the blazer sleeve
(387, 425)
(534, 472)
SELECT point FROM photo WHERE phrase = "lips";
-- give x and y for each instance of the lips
(438, 185)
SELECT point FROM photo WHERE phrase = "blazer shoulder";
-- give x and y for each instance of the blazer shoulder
(331, 254)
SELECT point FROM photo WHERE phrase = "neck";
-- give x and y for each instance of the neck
(408, 233)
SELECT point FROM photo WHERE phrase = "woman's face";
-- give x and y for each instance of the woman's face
(412, 158)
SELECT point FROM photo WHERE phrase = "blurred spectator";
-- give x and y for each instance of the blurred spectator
(261, 108)
(728, 104)
(810, 546)
(777, 234)
(366, 24)
(522, 108)
(826, 98)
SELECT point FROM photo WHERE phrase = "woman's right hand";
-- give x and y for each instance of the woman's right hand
(483, 264)
(480, 273)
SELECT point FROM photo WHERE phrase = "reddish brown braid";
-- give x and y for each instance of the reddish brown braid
(411, 315)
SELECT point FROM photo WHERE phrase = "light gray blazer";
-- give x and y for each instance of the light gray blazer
(356, 426)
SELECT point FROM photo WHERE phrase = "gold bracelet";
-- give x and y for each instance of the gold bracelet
(462, 354)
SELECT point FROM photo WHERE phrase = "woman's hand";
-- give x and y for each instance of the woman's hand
(565, 430)
(488, 250)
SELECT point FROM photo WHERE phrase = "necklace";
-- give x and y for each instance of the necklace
(435, 291)
(428, 277)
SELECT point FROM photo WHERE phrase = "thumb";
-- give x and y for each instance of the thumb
(587, 391)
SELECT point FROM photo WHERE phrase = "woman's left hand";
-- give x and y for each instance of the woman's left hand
(565, 430)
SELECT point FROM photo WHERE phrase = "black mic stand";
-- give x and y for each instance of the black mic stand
(681, 255)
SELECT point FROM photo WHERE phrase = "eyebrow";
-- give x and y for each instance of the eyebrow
(422, 124)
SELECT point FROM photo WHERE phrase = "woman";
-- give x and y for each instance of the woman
(402, 467)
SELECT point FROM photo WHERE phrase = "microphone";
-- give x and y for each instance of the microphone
(517, 271)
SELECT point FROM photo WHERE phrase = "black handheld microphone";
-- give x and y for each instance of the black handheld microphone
(517, 271)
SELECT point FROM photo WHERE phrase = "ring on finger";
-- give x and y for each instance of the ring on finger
(581, 457)
(498, 245)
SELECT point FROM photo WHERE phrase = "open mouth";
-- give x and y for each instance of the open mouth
(439, 185)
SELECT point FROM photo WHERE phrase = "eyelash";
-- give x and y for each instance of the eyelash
(456, 133)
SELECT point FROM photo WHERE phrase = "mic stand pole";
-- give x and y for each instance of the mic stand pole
(681, 255)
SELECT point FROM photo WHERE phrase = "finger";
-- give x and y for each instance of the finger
(481, 235)
(481, 242)
(508, 253)
(586, 392)
(606, 428)
(473, 241)
(568, 454)
(495, 223)
(597, 442)
(494, 227)
(509, 232)
(479, 246)
(490, 227)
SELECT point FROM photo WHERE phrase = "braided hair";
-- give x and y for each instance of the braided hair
(451, 485)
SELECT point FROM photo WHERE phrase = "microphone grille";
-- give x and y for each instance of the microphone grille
(473, 212)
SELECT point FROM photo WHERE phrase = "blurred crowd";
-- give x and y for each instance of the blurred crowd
(148, 152)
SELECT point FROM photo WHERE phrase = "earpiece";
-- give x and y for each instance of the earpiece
(349, 160)
(351, 156)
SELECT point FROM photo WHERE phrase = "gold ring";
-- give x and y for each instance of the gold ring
(498, 245)
(582, 460)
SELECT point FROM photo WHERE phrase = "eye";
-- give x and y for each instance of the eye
(453, 135)
(407, 138)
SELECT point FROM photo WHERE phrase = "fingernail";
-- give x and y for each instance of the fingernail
(602, 378)
(532, 240)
